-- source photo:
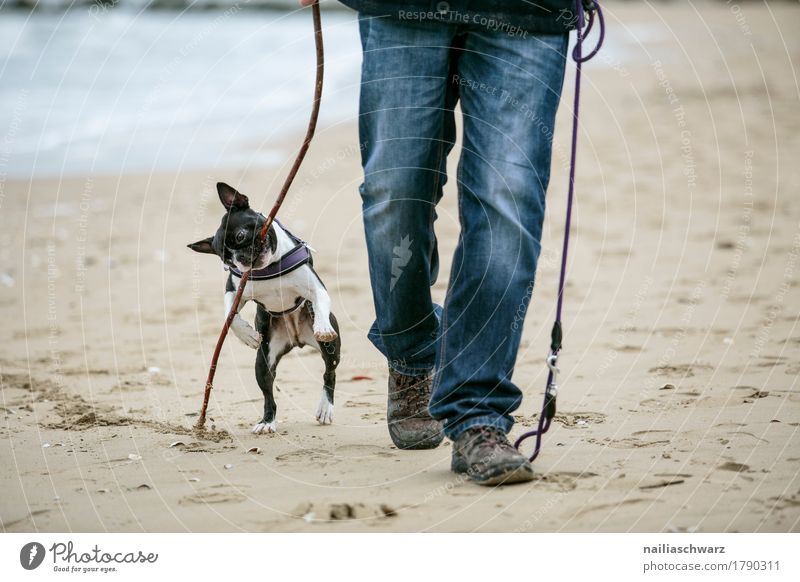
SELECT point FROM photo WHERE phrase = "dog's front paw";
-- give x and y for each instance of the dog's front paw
(325, 335)
(247, 335)
(325, 410)
(265, 427)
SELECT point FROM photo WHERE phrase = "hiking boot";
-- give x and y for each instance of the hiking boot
(484, 454)
(410, 424)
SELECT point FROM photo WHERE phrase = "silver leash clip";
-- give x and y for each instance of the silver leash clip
(552, 364)
(551, 392)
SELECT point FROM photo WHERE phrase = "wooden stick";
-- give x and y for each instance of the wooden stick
(312, 125)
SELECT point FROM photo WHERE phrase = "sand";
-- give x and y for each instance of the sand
(679, 403)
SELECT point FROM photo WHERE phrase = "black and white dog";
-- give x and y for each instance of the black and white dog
(294, 308)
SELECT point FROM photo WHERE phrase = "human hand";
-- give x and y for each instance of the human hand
(305, 2)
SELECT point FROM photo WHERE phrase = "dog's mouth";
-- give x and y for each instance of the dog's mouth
(248, 262)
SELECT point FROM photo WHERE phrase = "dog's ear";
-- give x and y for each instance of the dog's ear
(230, 198)
(203, 246)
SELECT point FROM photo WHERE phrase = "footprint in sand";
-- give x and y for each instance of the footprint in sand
(627, 349)
(683, 370)
(735, 467)
(579, 419)
(30, 517)
(363, 451)
(671, 400)
(792, 371)
(40, 389)
(639, 433)
(784, 501)
(358, 404)
(636, 443)
(339, 511)
(610, 507)
(316, 456)
(566, 419)
(76, 414)
(562, 480)
(213, 495)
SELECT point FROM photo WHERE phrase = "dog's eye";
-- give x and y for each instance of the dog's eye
(241, 236)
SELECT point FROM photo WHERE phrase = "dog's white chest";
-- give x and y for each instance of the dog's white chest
(274, 295)
(282, 293)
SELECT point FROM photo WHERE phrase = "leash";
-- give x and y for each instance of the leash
(556, 335)
(312, 125)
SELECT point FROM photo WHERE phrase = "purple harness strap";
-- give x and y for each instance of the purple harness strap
(551, 391)
(298, 256)
(298, 303)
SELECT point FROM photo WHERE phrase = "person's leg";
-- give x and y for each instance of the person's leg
(509, 98)
(406, 130)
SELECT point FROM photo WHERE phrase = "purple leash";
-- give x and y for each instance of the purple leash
(551, 391)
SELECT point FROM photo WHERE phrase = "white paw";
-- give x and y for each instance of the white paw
(265, 427)
(247, 335)
(325, 334)
(324, 410)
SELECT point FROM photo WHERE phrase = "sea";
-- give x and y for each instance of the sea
(120, 87)
(100, 89)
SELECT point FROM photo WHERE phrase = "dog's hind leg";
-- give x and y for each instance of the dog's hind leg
(331, 355)
(273, 347)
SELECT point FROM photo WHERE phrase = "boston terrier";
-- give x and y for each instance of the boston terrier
(294, 308)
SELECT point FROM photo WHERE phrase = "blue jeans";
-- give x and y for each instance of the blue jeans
(413, 75)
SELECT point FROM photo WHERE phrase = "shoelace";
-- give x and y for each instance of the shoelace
(493, 437)
(414, 390)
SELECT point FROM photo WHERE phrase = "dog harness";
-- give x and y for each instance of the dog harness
(293, 259)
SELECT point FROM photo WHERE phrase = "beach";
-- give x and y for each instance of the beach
(679, 403)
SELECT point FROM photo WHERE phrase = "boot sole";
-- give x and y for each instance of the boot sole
(428, 442)
(519, 474)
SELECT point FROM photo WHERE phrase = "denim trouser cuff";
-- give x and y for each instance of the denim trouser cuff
(420, 366)
(453, 432)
